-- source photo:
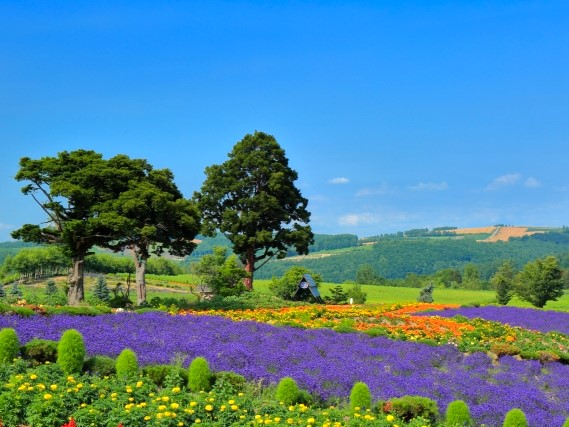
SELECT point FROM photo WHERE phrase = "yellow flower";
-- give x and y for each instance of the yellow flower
(176, 390)
(310, 420)
(70, 379)
(139, 384)
(193, 403)
(47, 396)
(162, 408)
(165, 398)
(53, 387)
(129, 390)
(41, 386)
(209, 408)
(390, 418)
(174, 406)
(234, 407)
(197, 421)
(83, 405)
(113, 395)
(180, 424)
(147, 418)
(231, 402)
(33, 377)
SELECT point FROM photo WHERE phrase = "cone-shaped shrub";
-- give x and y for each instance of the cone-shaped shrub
(287, 391)
(515, 418)
(199, 375)
(360, 396)
(71, 352)
(9, 345)
(127, 363)
(458, 414)
(566, 423)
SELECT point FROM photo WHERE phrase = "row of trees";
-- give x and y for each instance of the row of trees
(125, 204)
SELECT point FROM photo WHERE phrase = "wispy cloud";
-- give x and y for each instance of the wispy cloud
(339, 180)
(353, 220)
(504, 181)
(429, 186)
(5, 226)
(374, 191)
(531, 182)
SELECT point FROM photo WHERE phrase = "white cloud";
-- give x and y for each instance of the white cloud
(429, 186)
(531, 182)
(381, 190)
(339, 180)
(358, 219)
(5, 226)
(504, 181)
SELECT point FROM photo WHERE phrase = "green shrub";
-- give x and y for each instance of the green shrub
(199, 375)
(515, 418)
(566, 423)
(228, 382)
(102, 366)
(360, 396)
(79, 310)
(287, 391)
(159, 374)
(39, 351)
(127, 363)
(458, 414)
(71, 352)
(9, 345)
(409, 407)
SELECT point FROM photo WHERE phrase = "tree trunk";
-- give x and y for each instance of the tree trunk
(76, 292)
(249, 268)
(140, 268)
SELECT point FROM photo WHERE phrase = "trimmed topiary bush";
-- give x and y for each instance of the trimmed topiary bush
(101, 366)
(409, 407)
(360, 396)
(287, 391)
(9, 345)
(458, 414)
(566, 423)
(39, 351)
(71, 352)
(515, 418)
(127, 363)
(199, 375)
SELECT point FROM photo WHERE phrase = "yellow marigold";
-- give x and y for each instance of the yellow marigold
(209, 408)
(197, 421)
(47, 396)
(139, 384)
(70, 379)
(165, 398)
(162, 408)
(147, 418)
(33, 377)
(231, 402)
(234, 407)
(176, 390)
(390, 418)
(174, 406)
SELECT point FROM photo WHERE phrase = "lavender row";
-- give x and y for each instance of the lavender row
(528, 318)
(324, 362)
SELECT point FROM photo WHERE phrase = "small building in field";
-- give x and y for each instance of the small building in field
(307, 290)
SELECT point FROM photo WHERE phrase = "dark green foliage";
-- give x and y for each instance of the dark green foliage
(503, 282)
(39, 351)
(515, 418)
(199, 375)
(540, 281)
(223, 274)
(287, 391)
(9, 345)
(409, 407)
(52, 294)
(71, 352)
(426, 294)
(15, 293)
(366, 275)
(360, 396)
(338, 296)
(458, 414)
(160, 373)
(228, 382)
(102, 366)
(356, 293)
(2, 291)
(286, 286)
(252, 199)
(101, 291)
(79, 310)
(127, 363)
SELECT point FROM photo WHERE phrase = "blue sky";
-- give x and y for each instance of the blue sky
(396, 115)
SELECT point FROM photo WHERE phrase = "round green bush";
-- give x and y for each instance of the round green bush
(515, 418)
(71, 352)
(9, 345)
(360, 396)
(458, 414)
(409, 407)
(39, 351)
(199, 375)
(287, 391)
(127, 363)
(102, 366)
(159, 374)
(566, 423)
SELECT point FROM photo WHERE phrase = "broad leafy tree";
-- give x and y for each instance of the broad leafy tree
(540, 281)
(251, 198)
(503, 282)
(155, 218)
(223, 273)
(70, 189)
(285, 286)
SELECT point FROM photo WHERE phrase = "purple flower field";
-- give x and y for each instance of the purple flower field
(528, 318)
(324, 362)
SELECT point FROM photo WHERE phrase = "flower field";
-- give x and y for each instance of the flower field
(432, 356)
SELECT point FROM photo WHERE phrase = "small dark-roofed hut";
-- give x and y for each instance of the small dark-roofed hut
(307, 290)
